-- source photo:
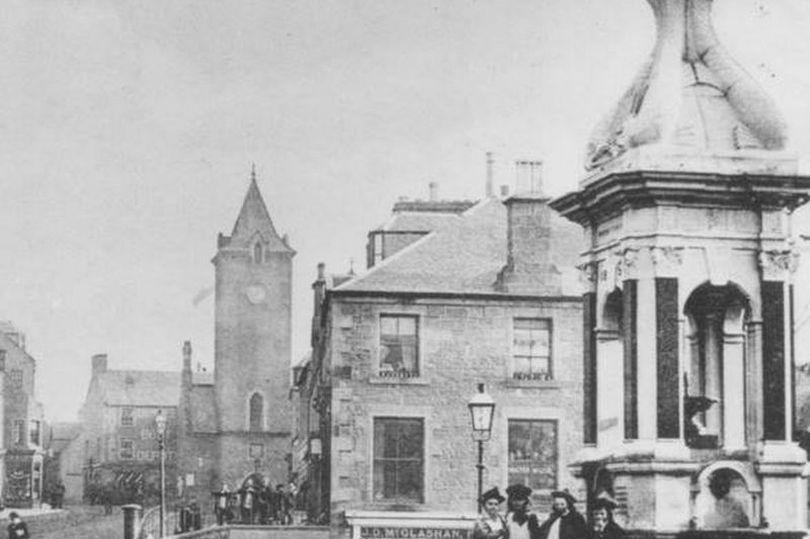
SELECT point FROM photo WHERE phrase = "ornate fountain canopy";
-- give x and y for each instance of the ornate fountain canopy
(691, 107)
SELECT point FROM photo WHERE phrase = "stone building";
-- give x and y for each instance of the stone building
(66, 462)
(490, 295)
(235, 422)
(21, 418)
(687, 205)
(118, 439)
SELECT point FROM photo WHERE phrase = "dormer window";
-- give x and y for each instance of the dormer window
(257, 253)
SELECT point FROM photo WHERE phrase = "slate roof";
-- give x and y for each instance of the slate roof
(465, 256)
(140, 388)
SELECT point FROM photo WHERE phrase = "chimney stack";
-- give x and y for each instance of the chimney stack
(529, 266)
(529, 177)
(488, 188)
(504, 191)
(318, 295)
(187, 355)
(99, 364)
(433, 188)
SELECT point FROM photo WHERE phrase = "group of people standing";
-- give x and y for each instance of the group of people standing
(565, 522)
(253, 504)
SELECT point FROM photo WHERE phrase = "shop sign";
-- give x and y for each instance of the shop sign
(390, 532)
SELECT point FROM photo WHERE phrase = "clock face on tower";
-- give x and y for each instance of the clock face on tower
(256, 293)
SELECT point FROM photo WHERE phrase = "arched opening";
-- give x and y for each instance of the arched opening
(714, 372)
(256, 412)
(726, 495)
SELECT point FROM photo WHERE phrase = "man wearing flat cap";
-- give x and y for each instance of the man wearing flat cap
(565, 522)
(602, 524)
(519, 522)
(490, 523)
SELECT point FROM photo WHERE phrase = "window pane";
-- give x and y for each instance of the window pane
(407, 325)
(398, 450)
(399, 346)
(533, 453)
(388, 325)
(531, 349)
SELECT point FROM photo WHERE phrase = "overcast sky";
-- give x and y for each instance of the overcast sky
(128, 129)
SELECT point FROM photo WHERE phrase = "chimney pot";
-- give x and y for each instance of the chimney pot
(99, 363)
(433, 188)
(321, 271)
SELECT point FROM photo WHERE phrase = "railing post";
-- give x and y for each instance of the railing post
(132, 517)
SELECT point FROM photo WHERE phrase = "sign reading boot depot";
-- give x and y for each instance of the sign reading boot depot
(386, 532)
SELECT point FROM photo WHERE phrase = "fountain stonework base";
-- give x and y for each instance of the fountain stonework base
(688, 303)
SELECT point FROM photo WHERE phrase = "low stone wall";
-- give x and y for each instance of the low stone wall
(750, 533)
(46, 522)
(237, 531)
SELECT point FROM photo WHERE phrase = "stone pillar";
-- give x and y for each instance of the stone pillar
(590, 404)
(773, 361)
(668, 394)
(610, 401)
(733, 392)
(630, 315)
(647, 373)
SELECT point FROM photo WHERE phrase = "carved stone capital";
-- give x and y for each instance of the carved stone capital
(775, 263)
(588, 272)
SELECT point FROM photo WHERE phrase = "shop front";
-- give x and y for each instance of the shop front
(416, 525)
(23, 478)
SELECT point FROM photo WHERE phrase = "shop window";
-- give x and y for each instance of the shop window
(399, 346)
(398, 459)
(533, 453)
(531, 349)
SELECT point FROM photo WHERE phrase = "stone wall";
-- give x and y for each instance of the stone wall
(461, 343)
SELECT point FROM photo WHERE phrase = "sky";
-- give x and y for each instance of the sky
(128, 129)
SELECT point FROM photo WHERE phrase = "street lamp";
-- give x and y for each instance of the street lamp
(160, 428)
(482, 408)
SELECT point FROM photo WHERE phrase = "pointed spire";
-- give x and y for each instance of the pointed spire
(254, 221)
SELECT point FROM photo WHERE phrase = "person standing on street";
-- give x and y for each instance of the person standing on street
(519, 522)
(490, 523)
(17, 529)
(565, 522)
(602, 524)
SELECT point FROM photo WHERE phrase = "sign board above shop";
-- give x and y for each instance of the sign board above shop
(395, 532)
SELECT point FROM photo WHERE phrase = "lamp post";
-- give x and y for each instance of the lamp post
(160, 428)
(482, 408)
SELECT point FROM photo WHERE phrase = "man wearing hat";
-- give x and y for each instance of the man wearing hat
(519, 522)
(490, 523)
(602, 524)
(565, 522)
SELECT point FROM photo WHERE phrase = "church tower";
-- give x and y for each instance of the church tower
(253, 282)
(688, 363)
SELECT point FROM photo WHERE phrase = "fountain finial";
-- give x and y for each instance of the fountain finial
(690, 95)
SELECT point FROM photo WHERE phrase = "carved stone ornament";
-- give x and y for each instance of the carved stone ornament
(689, 94)
(666, 256)
(588, 272)
(779, 261)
